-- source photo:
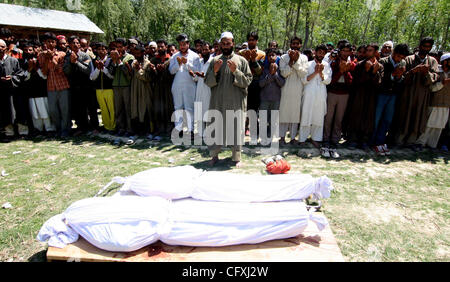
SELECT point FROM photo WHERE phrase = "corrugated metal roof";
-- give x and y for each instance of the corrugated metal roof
(14, 15)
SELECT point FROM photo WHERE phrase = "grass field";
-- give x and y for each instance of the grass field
(382, 209)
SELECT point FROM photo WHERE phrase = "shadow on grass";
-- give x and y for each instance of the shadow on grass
(304, 151)
(38, 257)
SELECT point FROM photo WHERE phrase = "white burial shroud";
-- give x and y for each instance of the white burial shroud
(186, 181)
(128, 223)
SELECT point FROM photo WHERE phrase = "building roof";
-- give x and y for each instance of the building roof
(14, 15)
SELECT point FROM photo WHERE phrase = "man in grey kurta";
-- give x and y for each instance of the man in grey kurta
(228, 76)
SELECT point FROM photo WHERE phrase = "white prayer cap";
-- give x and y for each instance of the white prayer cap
(444, 57)
(2, 42)
(390, 43)
(226, 34)
(153, 44)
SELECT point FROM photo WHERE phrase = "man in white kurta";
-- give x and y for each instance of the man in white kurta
(183, 65)
(292, 67)
(314, 105)
(203, 94)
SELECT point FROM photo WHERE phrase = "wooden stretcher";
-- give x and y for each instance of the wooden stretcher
(312, 245)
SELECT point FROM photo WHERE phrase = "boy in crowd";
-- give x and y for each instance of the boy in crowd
(102, 80)
(271, 83)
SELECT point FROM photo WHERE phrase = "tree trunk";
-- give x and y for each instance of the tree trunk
(444, 42)
(296, 18)
(367, 25)
(289, 12)
(307, 24)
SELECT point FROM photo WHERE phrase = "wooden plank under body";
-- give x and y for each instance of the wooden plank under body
(312, 245)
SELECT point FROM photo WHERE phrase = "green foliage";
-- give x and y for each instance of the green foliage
(320, 20)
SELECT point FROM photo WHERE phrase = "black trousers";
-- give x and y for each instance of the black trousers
(84, 108)
(5, 109)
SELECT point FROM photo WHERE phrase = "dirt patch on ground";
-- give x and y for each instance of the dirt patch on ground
(382, 213)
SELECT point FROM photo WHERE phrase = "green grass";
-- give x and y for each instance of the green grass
(382, 209)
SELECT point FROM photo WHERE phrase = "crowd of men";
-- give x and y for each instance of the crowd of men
(368, 97)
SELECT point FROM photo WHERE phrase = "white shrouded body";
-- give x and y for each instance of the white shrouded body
(124, 224)
(187, 181)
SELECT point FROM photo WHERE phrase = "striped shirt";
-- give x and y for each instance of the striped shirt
(53, 69)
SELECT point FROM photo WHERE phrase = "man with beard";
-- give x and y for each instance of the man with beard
(35, 88)
(141, 92)
(412, 113)
(337, 98)
(84, 104)
(386, 50)
(255, 58)
(361, 107)
(11, 76)
(162, 99)
(203, 94)
(151, 50)
(184, 65)
(314, 105)
(293, 67)
(228, 75)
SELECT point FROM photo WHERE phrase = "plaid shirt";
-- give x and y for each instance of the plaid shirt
(53, 69)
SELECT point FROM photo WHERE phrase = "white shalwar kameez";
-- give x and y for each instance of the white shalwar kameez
(314, 104)
(184, 88)
(202, 97)
(291, 93)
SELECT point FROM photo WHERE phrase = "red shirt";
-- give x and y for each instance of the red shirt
(53, 69)
(163, 59)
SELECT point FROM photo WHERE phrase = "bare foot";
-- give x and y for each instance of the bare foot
(238, 164)
(213, 161)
